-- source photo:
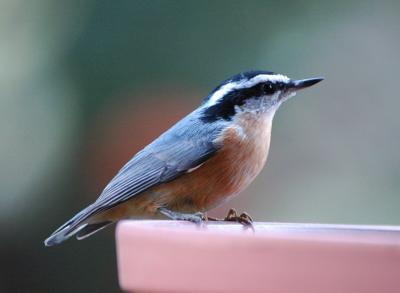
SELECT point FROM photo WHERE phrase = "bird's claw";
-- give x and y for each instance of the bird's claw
(199, 217)
(244, 218)
(232, 216)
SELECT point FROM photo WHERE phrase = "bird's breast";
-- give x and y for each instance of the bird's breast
(245, 147)
(243, 151)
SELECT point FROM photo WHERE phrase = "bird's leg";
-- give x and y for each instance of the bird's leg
(232, 216)
(195, 218)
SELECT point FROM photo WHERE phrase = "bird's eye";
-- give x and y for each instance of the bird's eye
(269, 88)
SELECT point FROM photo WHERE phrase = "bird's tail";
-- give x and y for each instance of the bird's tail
(76, 226)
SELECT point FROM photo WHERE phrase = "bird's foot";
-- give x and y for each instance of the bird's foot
(196, 218)
(199, 217)
(232, 216)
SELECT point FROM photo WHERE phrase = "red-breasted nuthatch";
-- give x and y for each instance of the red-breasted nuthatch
(210, 155)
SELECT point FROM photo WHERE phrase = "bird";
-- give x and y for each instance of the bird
(202, 161)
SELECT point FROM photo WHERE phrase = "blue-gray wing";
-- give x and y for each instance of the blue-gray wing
(186, 145)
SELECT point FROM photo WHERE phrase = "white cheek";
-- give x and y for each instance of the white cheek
(292, 94)
(276, 96)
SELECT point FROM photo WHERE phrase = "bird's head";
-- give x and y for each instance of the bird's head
(252, 91)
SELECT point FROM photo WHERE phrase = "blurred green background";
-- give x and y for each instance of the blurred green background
(85, 84)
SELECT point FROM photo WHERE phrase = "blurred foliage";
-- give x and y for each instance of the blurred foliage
(85, 84)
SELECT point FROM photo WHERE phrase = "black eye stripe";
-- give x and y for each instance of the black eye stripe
(269, 88)
(225, 107)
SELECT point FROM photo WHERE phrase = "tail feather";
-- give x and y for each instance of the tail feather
(90, 229)
(70, 228)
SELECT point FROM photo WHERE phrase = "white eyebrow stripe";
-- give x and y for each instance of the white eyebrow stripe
(230, 86)
(221, 92)
(268, 77)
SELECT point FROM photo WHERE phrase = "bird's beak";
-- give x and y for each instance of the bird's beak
(296, 85)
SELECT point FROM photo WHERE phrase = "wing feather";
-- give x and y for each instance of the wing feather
(185, 146)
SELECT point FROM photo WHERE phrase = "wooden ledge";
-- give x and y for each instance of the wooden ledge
(166, 256)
